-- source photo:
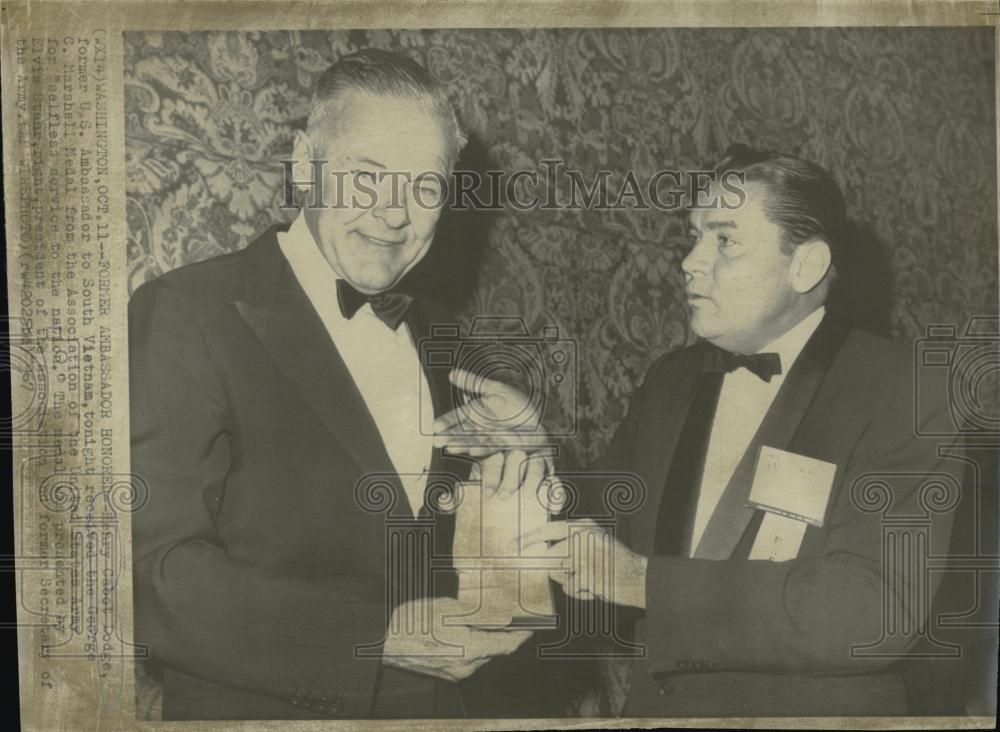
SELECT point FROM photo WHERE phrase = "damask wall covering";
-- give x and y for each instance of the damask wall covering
(903, 117)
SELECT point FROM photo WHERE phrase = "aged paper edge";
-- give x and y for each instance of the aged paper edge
(21, 18)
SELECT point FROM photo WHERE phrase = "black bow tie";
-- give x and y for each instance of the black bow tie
(390, 307)
(764, 365)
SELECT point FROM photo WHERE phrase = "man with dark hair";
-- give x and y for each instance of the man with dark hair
(276, 416)
(761, 577)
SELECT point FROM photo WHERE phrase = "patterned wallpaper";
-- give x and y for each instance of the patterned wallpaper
(903, 117)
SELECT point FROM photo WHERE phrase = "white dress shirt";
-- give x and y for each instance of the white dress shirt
(383, 363)
(743, 403)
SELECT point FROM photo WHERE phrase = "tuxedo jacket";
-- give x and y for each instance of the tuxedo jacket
(821, 634)
(260, 560)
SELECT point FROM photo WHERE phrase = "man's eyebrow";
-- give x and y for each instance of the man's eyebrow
(369, 161)
(713, 225)
(433, 172)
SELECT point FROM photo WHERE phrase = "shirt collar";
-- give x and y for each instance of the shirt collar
(790, 344)
(313, 271)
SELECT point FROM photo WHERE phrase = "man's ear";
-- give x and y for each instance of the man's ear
(810, 263)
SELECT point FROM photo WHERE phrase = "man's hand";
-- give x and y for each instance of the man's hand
(596, 565)
(504, 473)
(450, 652)
(502, 427)
(500, 418)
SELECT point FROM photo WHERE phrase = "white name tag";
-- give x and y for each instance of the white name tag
(794, 490)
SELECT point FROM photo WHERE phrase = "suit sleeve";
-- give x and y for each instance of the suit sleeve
(804, 615)
(196, 608)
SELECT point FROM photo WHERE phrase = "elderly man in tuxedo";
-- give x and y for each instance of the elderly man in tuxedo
(759, 576)
(276, 394)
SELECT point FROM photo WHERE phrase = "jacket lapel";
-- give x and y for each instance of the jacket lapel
(277, 310)
(664, 429)
(732, 517)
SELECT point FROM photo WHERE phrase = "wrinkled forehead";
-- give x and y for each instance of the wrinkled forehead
(400, 133)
